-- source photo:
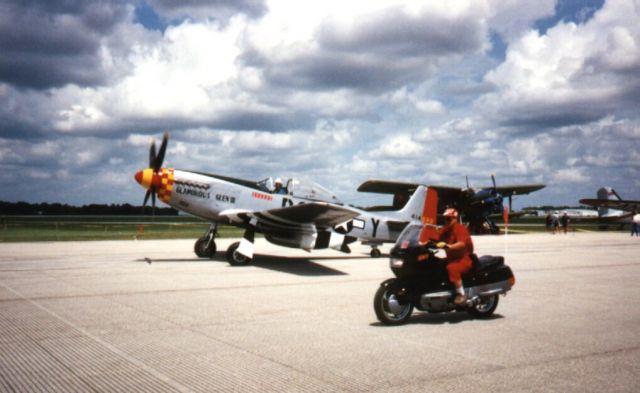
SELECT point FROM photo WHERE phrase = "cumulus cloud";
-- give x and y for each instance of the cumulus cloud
(572, 74)
(570, 175)
(335, 91)
(513, 18)
(49, 44)
(372, 49)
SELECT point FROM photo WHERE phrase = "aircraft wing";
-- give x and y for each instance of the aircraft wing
(387, 186)
(522, 189)
(445, 193)
(320, 214)
(630, 206)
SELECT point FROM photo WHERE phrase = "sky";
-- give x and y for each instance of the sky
(333, 91)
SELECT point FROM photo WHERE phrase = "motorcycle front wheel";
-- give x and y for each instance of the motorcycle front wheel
(388, 308)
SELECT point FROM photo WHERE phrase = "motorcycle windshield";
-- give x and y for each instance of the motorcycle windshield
(410, 236)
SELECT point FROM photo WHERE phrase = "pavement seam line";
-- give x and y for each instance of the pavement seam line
(234, 345)
(174, 384)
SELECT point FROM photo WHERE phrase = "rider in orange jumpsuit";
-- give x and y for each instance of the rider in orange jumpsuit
(455, 239)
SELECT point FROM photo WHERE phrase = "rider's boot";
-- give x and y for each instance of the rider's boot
(460, 297)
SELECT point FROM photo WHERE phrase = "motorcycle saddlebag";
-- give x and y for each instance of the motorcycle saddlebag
(486, 262)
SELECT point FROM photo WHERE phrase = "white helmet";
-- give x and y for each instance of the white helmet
(278, 181)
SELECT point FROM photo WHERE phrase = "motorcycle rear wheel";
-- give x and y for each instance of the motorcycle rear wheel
(387, 307)
(485, 308)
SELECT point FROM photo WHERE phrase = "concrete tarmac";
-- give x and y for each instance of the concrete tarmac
(97, 316)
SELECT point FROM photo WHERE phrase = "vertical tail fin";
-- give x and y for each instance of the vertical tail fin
(423, 206)
(429, 216)
(607, 193)
(430, 208)
(414, 208)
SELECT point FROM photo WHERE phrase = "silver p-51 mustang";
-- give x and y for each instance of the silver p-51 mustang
(303, 215)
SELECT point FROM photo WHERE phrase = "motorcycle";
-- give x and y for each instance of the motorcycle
(422, 281)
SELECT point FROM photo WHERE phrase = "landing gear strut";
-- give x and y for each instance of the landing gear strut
(241, 253)
(205, 246)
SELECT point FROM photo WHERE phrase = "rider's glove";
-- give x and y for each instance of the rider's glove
(441, 245)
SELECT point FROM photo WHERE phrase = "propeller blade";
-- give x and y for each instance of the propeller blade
(152, 153)
(146, 198)
(163, 148)
(493, 179)
(155, 163)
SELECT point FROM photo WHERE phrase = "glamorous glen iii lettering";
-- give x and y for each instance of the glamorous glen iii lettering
(225, 198)
(180, 189)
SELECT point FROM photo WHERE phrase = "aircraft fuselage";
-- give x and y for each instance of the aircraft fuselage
(217, 200)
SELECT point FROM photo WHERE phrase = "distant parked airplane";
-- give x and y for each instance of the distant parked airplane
(612, 208)
(478, 206)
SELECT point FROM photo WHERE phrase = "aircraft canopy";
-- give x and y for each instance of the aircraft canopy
(301, 188)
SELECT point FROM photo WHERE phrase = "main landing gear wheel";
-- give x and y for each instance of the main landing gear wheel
(485, 308)
(375, 252)
(234, 257)
(205, 247)
(388, 308)
(202, 250)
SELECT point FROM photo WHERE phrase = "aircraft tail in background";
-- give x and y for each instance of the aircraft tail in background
(612, 208)
(415, 207)
(608, 194)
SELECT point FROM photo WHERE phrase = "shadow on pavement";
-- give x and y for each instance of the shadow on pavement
(441, 319)
(302, 266)
(296, 265)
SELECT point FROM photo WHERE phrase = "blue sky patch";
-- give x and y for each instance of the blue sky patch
(576, 11)
(147, 17)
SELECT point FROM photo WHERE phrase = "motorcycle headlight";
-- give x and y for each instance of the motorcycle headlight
(396, 263)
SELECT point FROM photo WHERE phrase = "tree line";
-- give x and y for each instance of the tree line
(550, 207)
(58, 209)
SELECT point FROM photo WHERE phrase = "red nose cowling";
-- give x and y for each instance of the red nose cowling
(138, 177)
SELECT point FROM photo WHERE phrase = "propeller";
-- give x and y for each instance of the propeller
(495, 188)
(468, 191)
(147, 177)
(489, 197)
(496, 195)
